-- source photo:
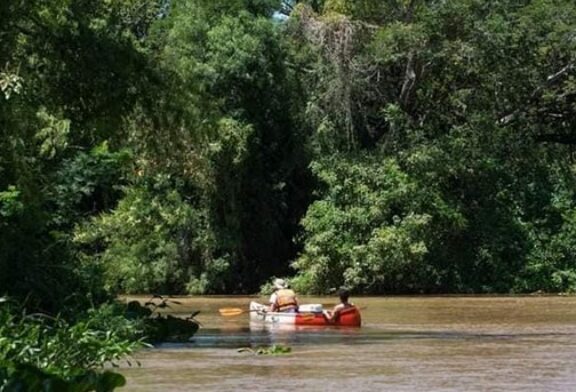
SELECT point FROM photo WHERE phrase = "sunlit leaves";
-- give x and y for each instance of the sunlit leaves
(10, 84)
(10, 203)
(362, 233)
(154, 241)
(54, 134)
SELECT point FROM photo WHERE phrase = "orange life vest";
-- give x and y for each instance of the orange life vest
(286, 300)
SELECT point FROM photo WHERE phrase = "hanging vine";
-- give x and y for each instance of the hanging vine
(335, 37)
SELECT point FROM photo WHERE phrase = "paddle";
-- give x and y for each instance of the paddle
(228, 312)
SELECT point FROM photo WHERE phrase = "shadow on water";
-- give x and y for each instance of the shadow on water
(256, 336)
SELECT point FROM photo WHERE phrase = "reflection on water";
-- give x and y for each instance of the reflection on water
(259, 335)
(406, 344)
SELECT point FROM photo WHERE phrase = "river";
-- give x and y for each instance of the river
(405, 344)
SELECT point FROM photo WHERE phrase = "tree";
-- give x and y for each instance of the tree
(460, 96)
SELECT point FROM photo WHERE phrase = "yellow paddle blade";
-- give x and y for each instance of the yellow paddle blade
(230, 311)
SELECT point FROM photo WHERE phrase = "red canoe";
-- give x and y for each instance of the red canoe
(307, 315)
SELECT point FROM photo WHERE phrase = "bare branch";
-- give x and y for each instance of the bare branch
(537, 93)
(409, 81)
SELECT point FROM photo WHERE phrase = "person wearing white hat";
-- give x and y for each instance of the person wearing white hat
(283, 299)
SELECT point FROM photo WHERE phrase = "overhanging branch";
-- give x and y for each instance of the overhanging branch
(537, 93)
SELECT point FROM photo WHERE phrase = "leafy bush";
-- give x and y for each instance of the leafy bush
(40, 352)
(365, 232)
(62, 348)
(550, 265)
(154, 241)
(159, 327)
(18, 377)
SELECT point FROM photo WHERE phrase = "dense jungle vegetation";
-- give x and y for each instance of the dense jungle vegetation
(204, 146)
(200, 146)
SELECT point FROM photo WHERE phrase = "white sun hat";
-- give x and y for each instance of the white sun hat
(280, 284)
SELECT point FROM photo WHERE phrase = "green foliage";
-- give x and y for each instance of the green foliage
(151, 242)
(199, 146)
(54, 135)
(10, 204)
(363, 232)
(550, 264)
(62, 348)
(10, 83)
(88, 183)
(40, 352)
(160, 327)
(29, 378)
(459, 96)
(70, 72)
(275, 349)
(83, 185)
(227, 132)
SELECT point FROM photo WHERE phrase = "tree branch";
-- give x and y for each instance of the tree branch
(550, 80)
(556, 138)
(286, 8)
(409, 14)
(409, 81)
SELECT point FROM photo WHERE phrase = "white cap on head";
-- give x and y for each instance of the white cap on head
(280, 284)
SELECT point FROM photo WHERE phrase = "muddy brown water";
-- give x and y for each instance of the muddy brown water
(405, 344)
